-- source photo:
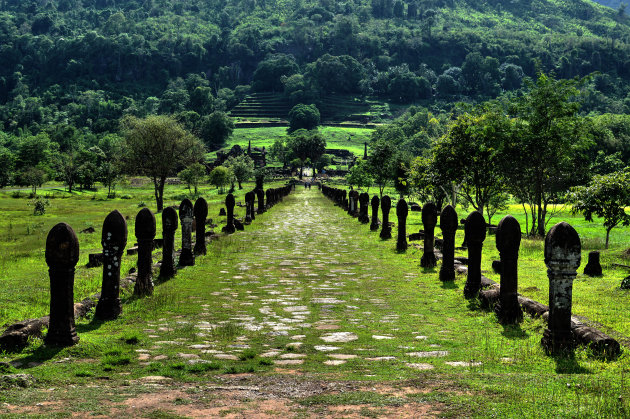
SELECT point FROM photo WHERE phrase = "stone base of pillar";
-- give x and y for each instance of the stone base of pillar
(108, 309)
(186, 258)
(509, 313)
(447, 273)
(428, 260)
(61, 337)
(557, 343)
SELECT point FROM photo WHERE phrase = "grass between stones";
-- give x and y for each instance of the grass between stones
(254, 325)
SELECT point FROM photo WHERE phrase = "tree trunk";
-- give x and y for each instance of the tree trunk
(239, 184)
(159, 192)
(607, 236)
(526, 218)
(301, 169)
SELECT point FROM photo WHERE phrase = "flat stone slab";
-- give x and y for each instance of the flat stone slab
(342, 356)
(227, 357)
(339, 337)
(326, 301)
(334, 363)
(270, 354)
(326, 348)
(327, 327)
(462, 364)
(428, 354)
(289, 362)
(381, 358)
(420, 366)
(154, 379)
(378, 337)
(292, 356)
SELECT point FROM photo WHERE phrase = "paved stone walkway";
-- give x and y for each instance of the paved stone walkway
(304, 281)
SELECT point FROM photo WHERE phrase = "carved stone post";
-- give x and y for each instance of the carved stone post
(350, 202)
(593, 267)
(429, 221)
(475, 228)
(252, 205)
(145, 233)
(402, 210)
(186, 258)
(364, 200)
(355, 200)
(169, 226)
(201, 213)
(386, 229)
(229, 204)
(448, 225)
(508, 240)
(375, 203)
(62, 255)
(261, 200)
(248, 207)
(113, 240)
(562, 257)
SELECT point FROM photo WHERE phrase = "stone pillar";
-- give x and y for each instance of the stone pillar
(475, 229)
(229, 204)
(355, 200)
(186, 257)
(113, 240)
(169, 226)
(429, 221)
(508, 241)
(401, 212)
(261, 200)
(145, 233)
(201, 213)
(62, 255)
(350, 203)
(448, 225)
(562, 257)
(593, 267)
(252, 205)
(364, 200)
(375, 202)
(386, 229)
(248, 208)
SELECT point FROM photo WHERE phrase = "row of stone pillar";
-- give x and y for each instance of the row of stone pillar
(562, 257)
(62, 255)
(272, 195)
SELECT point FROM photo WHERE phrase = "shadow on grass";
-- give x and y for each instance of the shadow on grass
(94, 324)
(432, 270)
(39, 355)
(514, 331)
(449, 285)
(567, 364)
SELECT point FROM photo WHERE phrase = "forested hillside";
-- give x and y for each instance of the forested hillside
(71, 69)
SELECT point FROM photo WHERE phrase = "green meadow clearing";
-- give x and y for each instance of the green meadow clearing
(309, 309)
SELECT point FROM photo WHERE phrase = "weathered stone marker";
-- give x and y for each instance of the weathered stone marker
(562, 257)
(350, 202)
(386, 229)
(375, 203)
(355, 201)
(364, 200)
(113, 240)
(248, 207)
(169, 226)
(429, 221)
(508, 240)
(593, 267)
(62, 255)
(145, 233)
(402, 210)
(229, 204)
(261, 200)
(448, 225)
(186, 257)
(201, 213)
(475, 229)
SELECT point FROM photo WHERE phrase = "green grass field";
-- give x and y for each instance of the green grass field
(252, 323)
(351, 139)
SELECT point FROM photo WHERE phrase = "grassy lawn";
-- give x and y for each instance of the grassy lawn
(263, 316)
(336, 137)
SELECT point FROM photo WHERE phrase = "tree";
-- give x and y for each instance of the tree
(220, 177)
(471, 155)
(215, 129)
(382, 163)
(67, 166)
(192, 175)
(279, 152)
(33, 177)
(7, 166)
(242, 166)
(269, 72)
(322, 162)
(303, 117)
(359, 175)
(546, 154)
(156, 146)
(305, 145)
(606, 196)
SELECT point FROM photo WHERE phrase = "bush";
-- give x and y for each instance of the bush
(303, 116)
(39, 206)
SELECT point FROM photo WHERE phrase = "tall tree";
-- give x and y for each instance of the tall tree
(305, 145)
(156, 146)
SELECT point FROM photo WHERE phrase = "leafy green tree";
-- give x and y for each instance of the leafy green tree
(215, 129)
(156, 146)
(34, 177)
(303, 117)
(279, 152)
(606, 196)
(220, 177)
(242, 166)
(306, 145)
(359, 175)
(192, 176)
(269, 73)
(7, 167)
(471, 155)
(547, 152)
(322, 162)
(382, 163)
